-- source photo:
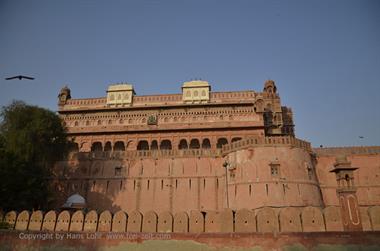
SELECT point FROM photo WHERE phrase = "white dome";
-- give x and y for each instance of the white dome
(74, 199)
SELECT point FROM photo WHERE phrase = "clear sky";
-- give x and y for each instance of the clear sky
(323, 55)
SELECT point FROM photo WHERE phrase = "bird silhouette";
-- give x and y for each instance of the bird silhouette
(19, 77)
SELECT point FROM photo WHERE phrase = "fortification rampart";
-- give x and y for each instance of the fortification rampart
(276, 172)
(266, 141)
(263, 220)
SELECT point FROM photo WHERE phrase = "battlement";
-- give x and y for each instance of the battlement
(335, 151)
(158, 100)
(267, 141)
(148, 154)
(263, 220)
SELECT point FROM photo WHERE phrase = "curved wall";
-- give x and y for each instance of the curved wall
(253, 185)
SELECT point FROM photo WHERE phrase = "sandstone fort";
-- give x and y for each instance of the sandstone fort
(203, 161)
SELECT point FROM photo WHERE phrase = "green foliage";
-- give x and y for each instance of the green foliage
(31, 139)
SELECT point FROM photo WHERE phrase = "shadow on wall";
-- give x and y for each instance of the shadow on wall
(96, 190)
(265, 220)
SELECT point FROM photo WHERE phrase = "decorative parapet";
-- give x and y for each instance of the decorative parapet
(158, 100)
(262, 220)
(90, 103)
(334, 151)
(166, 99)
(148, 154)
(267, 141)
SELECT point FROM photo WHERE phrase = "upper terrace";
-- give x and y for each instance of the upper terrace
(193, 92)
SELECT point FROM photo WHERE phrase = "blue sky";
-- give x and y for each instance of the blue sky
(323, 55)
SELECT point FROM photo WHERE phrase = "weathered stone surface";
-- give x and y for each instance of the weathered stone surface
(10, 218)
(374, 214)
(35, 222)
(63, 221)
(76, 223)
(227, 221)
(22, 220)
(119, 222)
(290, 220)
(312, 220)
(49, 221)
(165, 222)
(181, 223)
(267, 220)
(196, 222)
(134, 222)
(364, 216)
(245, 221)
(91, 221)
(149, 222)
(212, 222)
(105, 221)
(333, 218)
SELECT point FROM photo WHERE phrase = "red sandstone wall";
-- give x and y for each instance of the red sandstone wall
(177, 184)
(254, 186)
(366, 178)
(264, 220)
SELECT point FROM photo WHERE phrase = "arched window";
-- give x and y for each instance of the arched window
(107, 147)
(143, 145)
(154, 145)
(166, 145)
(194, 144)
(235, 139)
(119, 146)
(221, 142)
(183, 144)
(96, 147)
(206, 144)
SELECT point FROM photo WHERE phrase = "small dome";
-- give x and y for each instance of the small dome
(74, 200)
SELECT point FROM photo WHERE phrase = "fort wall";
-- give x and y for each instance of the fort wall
(263, 220)
(193, 179)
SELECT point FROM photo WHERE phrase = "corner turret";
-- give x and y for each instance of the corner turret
(64, 95)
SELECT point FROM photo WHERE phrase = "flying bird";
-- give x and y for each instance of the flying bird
(19, 77)
(361, 137)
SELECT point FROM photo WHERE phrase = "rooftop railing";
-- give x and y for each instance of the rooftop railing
(266, 141)
(334, 151)
(149, 154)
(166, 99)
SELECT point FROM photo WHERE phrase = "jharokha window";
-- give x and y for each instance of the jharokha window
(118, 171)
(275, 168)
